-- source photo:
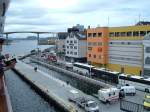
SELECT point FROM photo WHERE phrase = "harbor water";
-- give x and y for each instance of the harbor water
(23, 98)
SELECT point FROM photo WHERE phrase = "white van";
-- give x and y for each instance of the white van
(128, 90)
(108, 95)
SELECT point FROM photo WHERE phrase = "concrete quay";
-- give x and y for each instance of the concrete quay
(72, 74)
(52, 89)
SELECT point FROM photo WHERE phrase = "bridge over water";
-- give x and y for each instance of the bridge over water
(52, 41)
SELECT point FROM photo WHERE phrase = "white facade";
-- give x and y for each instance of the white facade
(3, 8)
(75, 47)
(126, 52)
(146, 43)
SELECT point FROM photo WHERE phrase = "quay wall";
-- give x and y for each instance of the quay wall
(47, 95)
(72, 74)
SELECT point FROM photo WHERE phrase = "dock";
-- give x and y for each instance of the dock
(54, 89)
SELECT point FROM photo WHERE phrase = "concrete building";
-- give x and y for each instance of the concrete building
(125, 49)
(97, 46)
(146, 44)
(75, 45)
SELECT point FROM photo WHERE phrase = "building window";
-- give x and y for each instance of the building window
(99, 34)
(110, 42)
(67, 52)
(89, 48)
(99, 43)
(67, 41)
(123, 34)
(75, 53)
(75, 41)
(89, 34)
(147, 61)
(94, 43)
(147, 50)
(89, 43)
(67, 47)
(117, 34)
(136, 33)
(71, 47)
(129, 34)
(63, 46)
(100, 56)
(129, 43)
(89, 55)
(94, 34)
(142, 33)
(148, 32)
(111, 34)
(75, 47)
(71, 41)
(71, 52)
(94, 56)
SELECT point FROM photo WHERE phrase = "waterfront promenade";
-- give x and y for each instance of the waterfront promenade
(54, 88)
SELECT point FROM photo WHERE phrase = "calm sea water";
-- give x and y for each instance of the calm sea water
(22, 47)
(23, 98)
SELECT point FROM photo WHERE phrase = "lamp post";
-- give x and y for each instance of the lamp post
(90, 69)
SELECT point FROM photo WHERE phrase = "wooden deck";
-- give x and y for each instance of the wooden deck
(3, 99)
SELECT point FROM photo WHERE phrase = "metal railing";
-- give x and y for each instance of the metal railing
(128, 106)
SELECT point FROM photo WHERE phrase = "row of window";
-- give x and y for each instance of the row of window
(95, 56)
(71, 41)
(120, 34)
(94, 43)
(75, 53)
(128, 34)
(113, 43)
(95, 34)
(72, 47)
(123, 58)
(125, 43)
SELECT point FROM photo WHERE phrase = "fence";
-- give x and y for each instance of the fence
(128, 106)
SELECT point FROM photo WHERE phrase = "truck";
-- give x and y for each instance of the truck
(89, 105)
(107, 95)
(128, 90)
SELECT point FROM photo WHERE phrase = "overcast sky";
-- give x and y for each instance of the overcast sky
(58, 15)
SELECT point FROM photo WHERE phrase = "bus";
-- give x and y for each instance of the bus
(107, 75)
(140, 83)
(82, 68)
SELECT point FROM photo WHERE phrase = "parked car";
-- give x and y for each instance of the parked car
(87, 104)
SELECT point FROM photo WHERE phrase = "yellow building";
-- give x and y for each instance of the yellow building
(126, 49)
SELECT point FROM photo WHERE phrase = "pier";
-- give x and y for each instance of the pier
(48, 86)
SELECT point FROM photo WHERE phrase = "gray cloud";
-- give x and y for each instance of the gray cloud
(30, 15)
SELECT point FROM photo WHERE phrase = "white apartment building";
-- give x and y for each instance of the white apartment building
(75, 45)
